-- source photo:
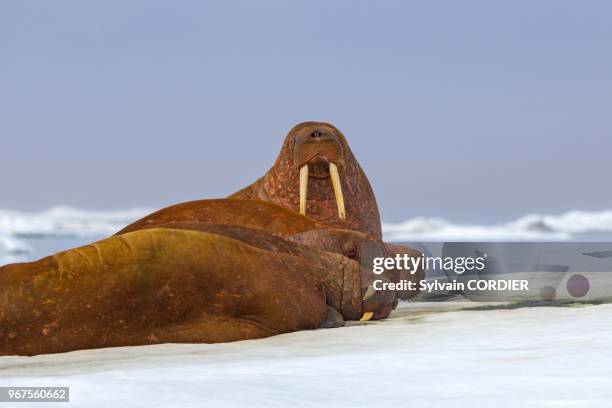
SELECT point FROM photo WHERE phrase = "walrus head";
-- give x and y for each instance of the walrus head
(377, 304)
(317, 153)
(317, 174)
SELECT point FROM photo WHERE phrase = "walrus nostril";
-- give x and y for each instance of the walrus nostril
(315, 134)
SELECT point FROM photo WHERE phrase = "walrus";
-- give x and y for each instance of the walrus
(259, 215)
(256, 214)
(376, 304)
(272, 218)
(317, 175)
(174, 285)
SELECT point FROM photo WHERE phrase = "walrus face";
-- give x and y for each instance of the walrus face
(378, 304)
(317, 153)
(360, 248)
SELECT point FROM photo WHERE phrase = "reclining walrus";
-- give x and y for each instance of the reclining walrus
(169, 285)
(259, 215)
(271, 218)
(166, 278)
(317, 174)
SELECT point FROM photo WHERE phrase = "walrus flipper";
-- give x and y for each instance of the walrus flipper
(212, 328)
(332, 319)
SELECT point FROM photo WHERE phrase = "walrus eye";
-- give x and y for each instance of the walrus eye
(352, 253)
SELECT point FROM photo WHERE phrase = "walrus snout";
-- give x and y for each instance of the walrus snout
(404, 275)
(377, 304)
(318, 157)
(317, 141)
(315, 134)
(318, 152)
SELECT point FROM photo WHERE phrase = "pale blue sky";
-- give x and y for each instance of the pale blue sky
(470, 110)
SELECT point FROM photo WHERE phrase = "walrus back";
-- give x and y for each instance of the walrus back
(255, 214)
(156, 286)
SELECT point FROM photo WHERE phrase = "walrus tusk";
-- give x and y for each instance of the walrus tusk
(366, 316)
(335, 179)
(369, 293)
(303, 188)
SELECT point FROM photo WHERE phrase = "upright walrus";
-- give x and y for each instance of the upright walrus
(317, 174)
(170, 285)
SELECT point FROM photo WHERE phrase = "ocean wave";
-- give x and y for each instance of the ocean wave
(66, 222)
(533, 227)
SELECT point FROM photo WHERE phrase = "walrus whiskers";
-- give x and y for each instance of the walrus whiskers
(303, 188)
(335, 179)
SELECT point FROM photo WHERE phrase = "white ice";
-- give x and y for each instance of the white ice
(12, 249)
(533, 227)
(17, 226)
(68, 221)
(426, 355)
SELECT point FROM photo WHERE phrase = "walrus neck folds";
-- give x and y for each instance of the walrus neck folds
(281, 185)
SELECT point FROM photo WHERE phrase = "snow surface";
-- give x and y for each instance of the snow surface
(425, 355)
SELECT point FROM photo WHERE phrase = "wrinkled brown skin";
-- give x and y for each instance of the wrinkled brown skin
(328, 240)
(271, 218)
(257, 215)
(280, 185)
(168, 285)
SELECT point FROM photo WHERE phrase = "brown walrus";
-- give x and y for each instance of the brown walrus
(259, 215)
(269, 217)
(255, 214)
(170, 285)
(376, 304)
(317, 174)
